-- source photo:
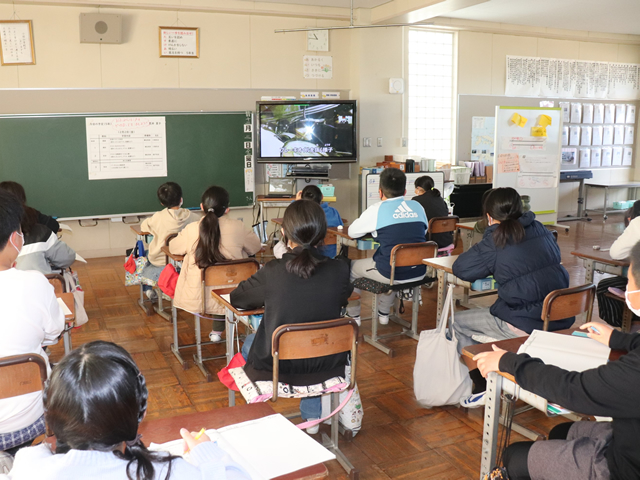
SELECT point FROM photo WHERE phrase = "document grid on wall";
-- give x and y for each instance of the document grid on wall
(126, 147)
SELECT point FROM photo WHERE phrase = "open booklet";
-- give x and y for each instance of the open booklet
(63, 307)
(572, 353)
(266, 448)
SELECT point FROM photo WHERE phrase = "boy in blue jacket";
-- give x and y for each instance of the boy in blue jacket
(392, 221)
(313, 193)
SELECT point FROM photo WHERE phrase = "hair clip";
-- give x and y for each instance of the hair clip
(131, 443)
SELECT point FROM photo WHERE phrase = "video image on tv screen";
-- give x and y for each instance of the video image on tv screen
(307, 130)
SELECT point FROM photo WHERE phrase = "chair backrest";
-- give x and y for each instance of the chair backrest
(312, 340)
(443, 224)
(410, 255)
(568, 302)
(22, 374)
(57, 281)
(227, 274)
(166, 244)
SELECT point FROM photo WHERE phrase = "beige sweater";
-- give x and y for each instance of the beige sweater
(236, 242)
(162, 224)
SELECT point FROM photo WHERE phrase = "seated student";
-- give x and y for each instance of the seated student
(313, 193)
(582, 450)
(392, 221)
(171, 219)
(524, 259)
(215, 238)
(302, 287)
(611, 310)
(41, 218)
(30, 317)
(434, 206)
(95, 401)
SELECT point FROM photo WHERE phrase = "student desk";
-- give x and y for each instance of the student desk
(168, 429)
(597, 261)
(503, 382)
(68, 300)
(140, 234)
(606, 187)
(175, 260)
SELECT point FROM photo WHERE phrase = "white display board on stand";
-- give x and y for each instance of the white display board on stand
(526, 161)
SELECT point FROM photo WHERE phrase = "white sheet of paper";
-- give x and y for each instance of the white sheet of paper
(618, 135)
(574, 135)
(617, 156)
(596, 136)
(80, 259)
(576, 112)
(566, 111)
(565, 136)
(598, 113)
(530, 163)
(629, 133)
(627, 156)
(596, 157)
(609, 112)
(585, 136)
(527, 180)
(621, 112)
(587, 113)
(585, 158)
(606, 156)
(607, 135)
(64, 226)
(631, 113)
(569, 156)
(63, 307)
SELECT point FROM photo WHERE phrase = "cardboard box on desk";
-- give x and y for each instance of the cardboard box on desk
(488, 170)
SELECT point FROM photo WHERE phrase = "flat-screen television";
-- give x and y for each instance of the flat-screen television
(305, 131)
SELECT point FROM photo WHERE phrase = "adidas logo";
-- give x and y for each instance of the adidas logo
(403, 211)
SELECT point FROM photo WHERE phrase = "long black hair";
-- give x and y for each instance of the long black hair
(95, 400)
(215, 201)
(304, 224)
(505, 205)
(426, 183)
(631, 213)
(30, 215)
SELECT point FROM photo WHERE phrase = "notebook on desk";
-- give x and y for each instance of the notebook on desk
(266, 448)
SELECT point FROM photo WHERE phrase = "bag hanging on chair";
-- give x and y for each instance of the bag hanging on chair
(168, 280)
(134, 264)
(440, 377)
(73, 286)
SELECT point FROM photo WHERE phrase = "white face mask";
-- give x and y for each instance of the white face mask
(626, 296)
(14, 245)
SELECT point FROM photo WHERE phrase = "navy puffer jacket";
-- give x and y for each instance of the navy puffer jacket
(526, 272)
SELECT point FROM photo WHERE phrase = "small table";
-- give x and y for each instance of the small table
(168, 429)
(68, 300)
(597, 261)
(175, 260)
(606, 187)
(469, 234)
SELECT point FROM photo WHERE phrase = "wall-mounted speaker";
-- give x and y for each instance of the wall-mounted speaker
(100, 28)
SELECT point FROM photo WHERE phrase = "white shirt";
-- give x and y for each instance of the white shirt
(621, 248)
(30, 317)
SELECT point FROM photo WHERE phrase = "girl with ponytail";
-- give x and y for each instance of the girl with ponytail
(301, 287)
(434, 206)
(94, 403)
(524, 259)
(215, 238)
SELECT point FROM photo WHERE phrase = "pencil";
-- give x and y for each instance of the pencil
(197, 437)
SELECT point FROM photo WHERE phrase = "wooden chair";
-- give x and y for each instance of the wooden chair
(444, 225)
(57, 281)
(402, 255)
(627, 315)
(568, 302)
(313, 340)
(22, 374)
(555, 235)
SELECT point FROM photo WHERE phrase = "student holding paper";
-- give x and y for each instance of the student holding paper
(584, 450)
(94, 402)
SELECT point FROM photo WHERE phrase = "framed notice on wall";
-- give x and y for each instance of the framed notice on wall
(16, 42)
(180, 42)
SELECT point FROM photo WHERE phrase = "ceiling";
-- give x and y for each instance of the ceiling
(330, 3)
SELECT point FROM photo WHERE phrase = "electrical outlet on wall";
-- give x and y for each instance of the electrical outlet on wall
(379, 141)
(366, 142)
(405, 142)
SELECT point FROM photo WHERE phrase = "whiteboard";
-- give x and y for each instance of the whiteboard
(538, 158)
(370, 184)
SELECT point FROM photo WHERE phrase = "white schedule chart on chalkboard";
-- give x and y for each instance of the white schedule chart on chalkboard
(126, 147)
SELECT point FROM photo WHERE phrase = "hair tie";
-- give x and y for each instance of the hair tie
(210, 210)
(306, 246)
(131, 443)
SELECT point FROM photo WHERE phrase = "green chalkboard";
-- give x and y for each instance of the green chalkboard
(48, 156)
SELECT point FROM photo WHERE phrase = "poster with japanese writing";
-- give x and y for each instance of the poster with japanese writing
(126, 147)
(317, 66)
(179, 42)
(16, 37)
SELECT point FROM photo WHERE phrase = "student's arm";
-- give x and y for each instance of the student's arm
(250, 294)
(477, 262)
(53, 317)
(366, 223)
(252, 243)
(208, 462)
(145, 226)
(180, 245)
(59, 254)
(48, 221)
(625, 242)
(624, 341)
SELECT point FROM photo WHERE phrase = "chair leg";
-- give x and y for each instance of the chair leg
(175, 346)
(198, 356)
(415, 307)
(146, 307)
(373, 338)
(627, 317)
(160, 308)
(331, 443)
(394, 316)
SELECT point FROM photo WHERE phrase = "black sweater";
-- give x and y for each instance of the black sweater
(612, 390)
(287, 299)
(435, 206)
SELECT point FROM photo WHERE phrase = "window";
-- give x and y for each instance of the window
(430, 94)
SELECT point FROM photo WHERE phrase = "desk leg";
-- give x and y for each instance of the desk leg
(606, 198)
(580, 197)
(442, 275)
(586, 197)
(590, 268)
(66, 338)
(230, 327)
(491, 421)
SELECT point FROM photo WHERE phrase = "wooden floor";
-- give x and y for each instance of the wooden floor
(399, 439)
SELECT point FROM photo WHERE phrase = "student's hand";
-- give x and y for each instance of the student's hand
(190, 439)
(299, 195)
(598, 331)
(489, 361)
